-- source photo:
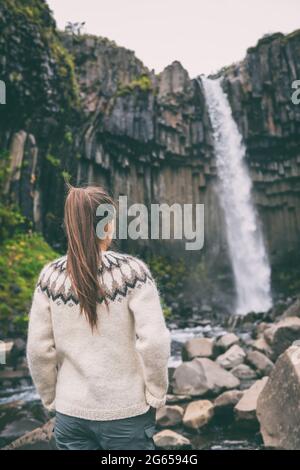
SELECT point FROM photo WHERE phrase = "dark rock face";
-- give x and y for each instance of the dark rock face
(260, 91)
(149, 137)
(153, 143)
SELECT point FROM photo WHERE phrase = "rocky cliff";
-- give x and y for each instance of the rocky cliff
(104, 117)
(260, 92)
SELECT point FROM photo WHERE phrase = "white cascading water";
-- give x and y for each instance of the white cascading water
(249, 259)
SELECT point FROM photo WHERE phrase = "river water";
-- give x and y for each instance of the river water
(223, 435)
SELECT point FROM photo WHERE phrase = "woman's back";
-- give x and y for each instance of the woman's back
(119, 369)
(98, 346)
(100, 372)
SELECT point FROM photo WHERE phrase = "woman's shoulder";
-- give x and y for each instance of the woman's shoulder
(123, 273)
(57, 263)
(111, 259)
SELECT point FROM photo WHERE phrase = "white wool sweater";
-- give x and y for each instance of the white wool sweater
(115, 372)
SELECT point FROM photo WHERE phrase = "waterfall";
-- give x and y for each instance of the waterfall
(247, 251)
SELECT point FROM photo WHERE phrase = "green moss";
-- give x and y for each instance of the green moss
(286, 274)
(11, 218)
(66, 176)
(169, 276)
(68, 137)
(38, 70)
(21, 260)
(142, 83)
(293, 35)
(53, 160)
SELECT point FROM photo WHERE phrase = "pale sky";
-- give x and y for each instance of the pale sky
(204, 35)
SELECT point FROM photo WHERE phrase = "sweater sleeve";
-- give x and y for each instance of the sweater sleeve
(40, 348)
(153, 339)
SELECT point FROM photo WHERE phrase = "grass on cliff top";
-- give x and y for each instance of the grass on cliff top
(21, 260)
(142, 83)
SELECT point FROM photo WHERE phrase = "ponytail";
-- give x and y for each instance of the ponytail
(83, 253)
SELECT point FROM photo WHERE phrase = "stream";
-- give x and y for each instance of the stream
(22, 411)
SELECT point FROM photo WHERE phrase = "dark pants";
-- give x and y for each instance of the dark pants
(133, 433)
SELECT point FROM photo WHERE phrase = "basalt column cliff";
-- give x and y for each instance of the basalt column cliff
(147, 135)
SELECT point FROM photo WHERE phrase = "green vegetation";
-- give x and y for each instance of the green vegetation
(142, 83)
(169, 276)
(21, 260)
(22, 255)
(37, 69)
(53, 160)
(286, 275)
(10, 217)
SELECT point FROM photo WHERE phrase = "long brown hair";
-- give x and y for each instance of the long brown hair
(83, 253)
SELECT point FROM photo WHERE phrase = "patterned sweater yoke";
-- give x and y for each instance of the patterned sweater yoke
(117, 371)
(117, 274)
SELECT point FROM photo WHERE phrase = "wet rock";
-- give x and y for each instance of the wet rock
(171, 440)
(6, 384)
(293, 310)
(281, 335)
(225, 402)
(11, 374)
(225, 342)
(234, 356)
(260, 362)
(40, 438)
(198, 414)
(261, 328)
(168, 416)
(244, 372)
(262, 346)
(245, 409)
(18, 428)
(202, 376)
(278, 406)
(19, 345)
(171, 399)
(197, 347)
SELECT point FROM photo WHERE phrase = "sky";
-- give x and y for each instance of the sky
(204, 35)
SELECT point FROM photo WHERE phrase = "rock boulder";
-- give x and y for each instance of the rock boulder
(202, 376)
(278, 406)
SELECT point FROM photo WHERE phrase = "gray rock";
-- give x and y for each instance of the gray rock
(278, 406)
(171, 399)
(198, 414)
(197, 347)
(260, 362)
(234, 356)
(293, 310)
(10, 374)
(171, 440)
(225, 342)
(244, 372)
(261, 345)
(168, 416)
(41, 437)
(227, 400)
(281, 335)
(16, 429)
(202, 376)
(245, 409)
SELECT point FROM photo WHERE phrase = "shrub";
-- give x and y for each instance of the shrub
(21, 261)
